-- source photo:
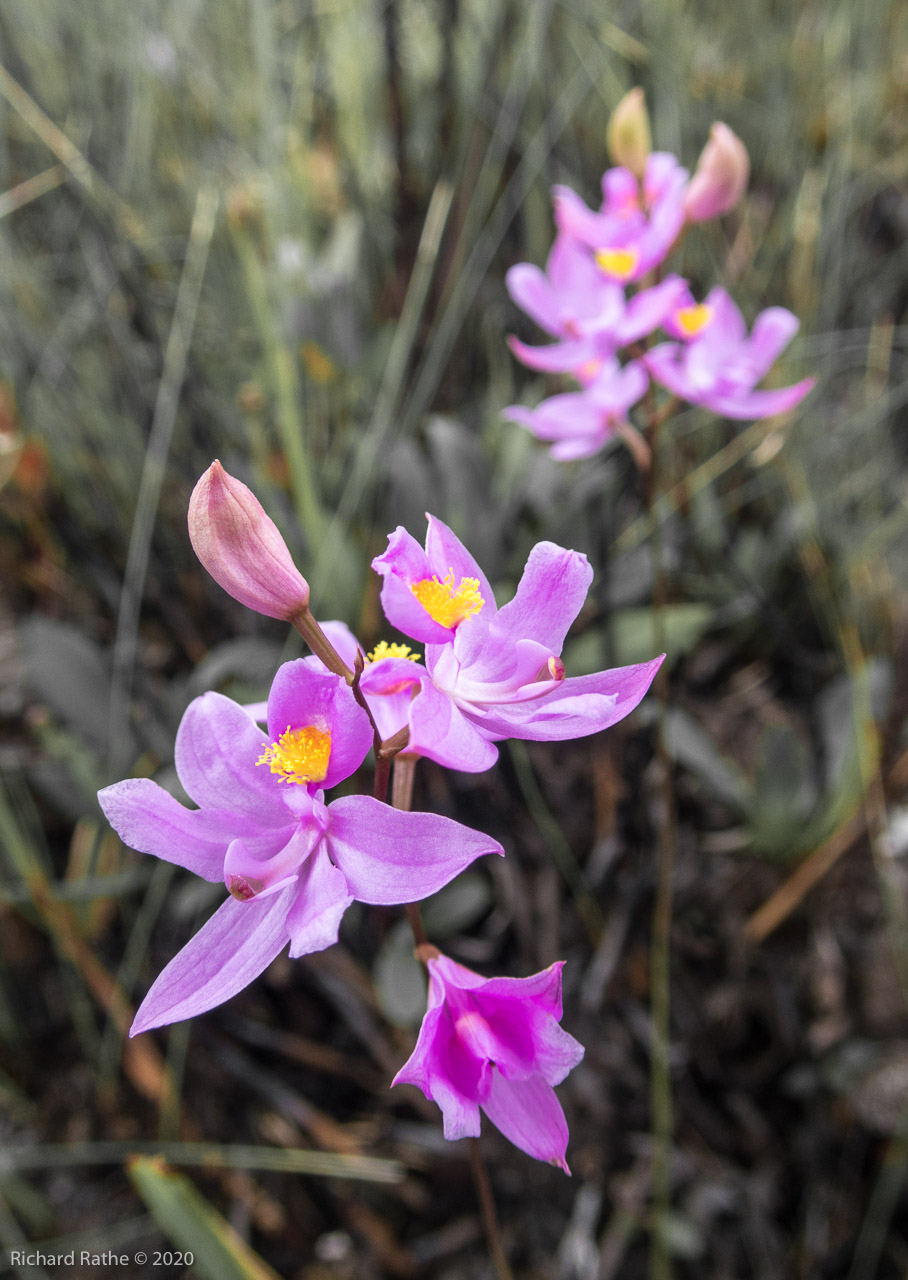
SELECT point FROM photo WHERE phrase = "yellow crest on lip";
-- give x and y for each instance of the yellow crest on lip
(692, 319)
(446, 604)
(299, 755)
(393, 650)
(620, 263)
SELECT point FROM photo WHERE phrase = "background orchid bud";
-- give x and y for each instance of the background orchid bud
(628, 134)
(720, 177)
(241, 547)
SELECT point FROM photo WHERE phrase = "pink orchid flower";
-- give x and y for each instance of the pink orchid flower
(580, 423)
(495, 1044)
(718, 365)
(291, 863)
(574, 301)
(499, 673)
(638, 222)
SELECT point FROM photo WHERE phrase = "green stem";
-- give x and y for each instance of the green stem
(660, 948)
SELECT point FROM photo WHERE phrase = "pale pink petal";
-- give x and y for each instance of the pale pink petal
(532, 292)
(549, 596)
(580, 447)
(217, 746)
(391, 856)
(445, 551)
(322, 898)
(230, 951)
(558, 357)
(772, 331)
(147, 818)
(576, 707)
(651, 307)
(620, 191)
(760, 404)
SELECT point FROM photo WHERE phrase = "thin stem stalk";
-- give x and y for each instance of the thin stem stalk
(487, 1208)
(662, 1120)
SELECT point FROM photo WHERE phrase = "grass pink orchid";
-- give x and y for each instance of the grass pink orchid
(495, 1044)
(292, 863)
(638, 222)
(579, 423)
(502, 676)
(718, 364)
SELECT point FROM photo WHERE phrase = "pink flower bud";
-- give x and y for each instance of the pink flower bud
(241, 547)
(720, 177)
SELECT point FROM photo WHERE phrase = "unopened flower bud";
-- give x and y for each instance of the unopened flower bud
(241, 547)
(628, 133)
(720, 177)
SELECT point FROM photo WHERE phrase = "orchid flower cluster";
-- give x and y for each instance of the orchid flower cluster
(603, 294)
(292, 861)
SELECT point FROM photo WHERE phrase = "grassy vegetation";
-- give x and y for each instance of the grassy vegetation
(276, 233)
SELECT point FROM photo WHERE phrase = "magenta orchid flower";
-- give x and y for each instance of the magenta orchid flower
(718, 365)
(638, 222)
(501, 676)
(495, 1044)
(580, 423)
(291, 863)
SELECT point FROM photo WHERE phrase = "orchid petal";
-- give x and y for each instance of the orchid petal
(549, 596)
(217, 746)
(390, 856)
(301, 696)
(445, 551)
(529, 1115)
(321, 900)
(441, 731)
(772, 331)
(557, 357)
(761, 404)
(237, 944)
(147, 818)
(575, 708)
(532, 292)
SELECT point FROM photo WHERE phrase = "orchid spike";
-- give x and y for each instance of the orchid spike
(501, 676)
(495, 1044)
(291, 863)
(241, 547)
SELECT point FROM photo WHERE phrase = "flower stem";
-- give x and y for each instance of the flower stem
(320, 645)
(487, 1208)
(660, 946)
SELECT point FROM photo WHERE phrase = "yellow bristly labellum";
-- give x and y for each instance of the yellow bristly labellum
(299, 755)
(393, 650)
(446, 604)
(692, 319)
(620, 263)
